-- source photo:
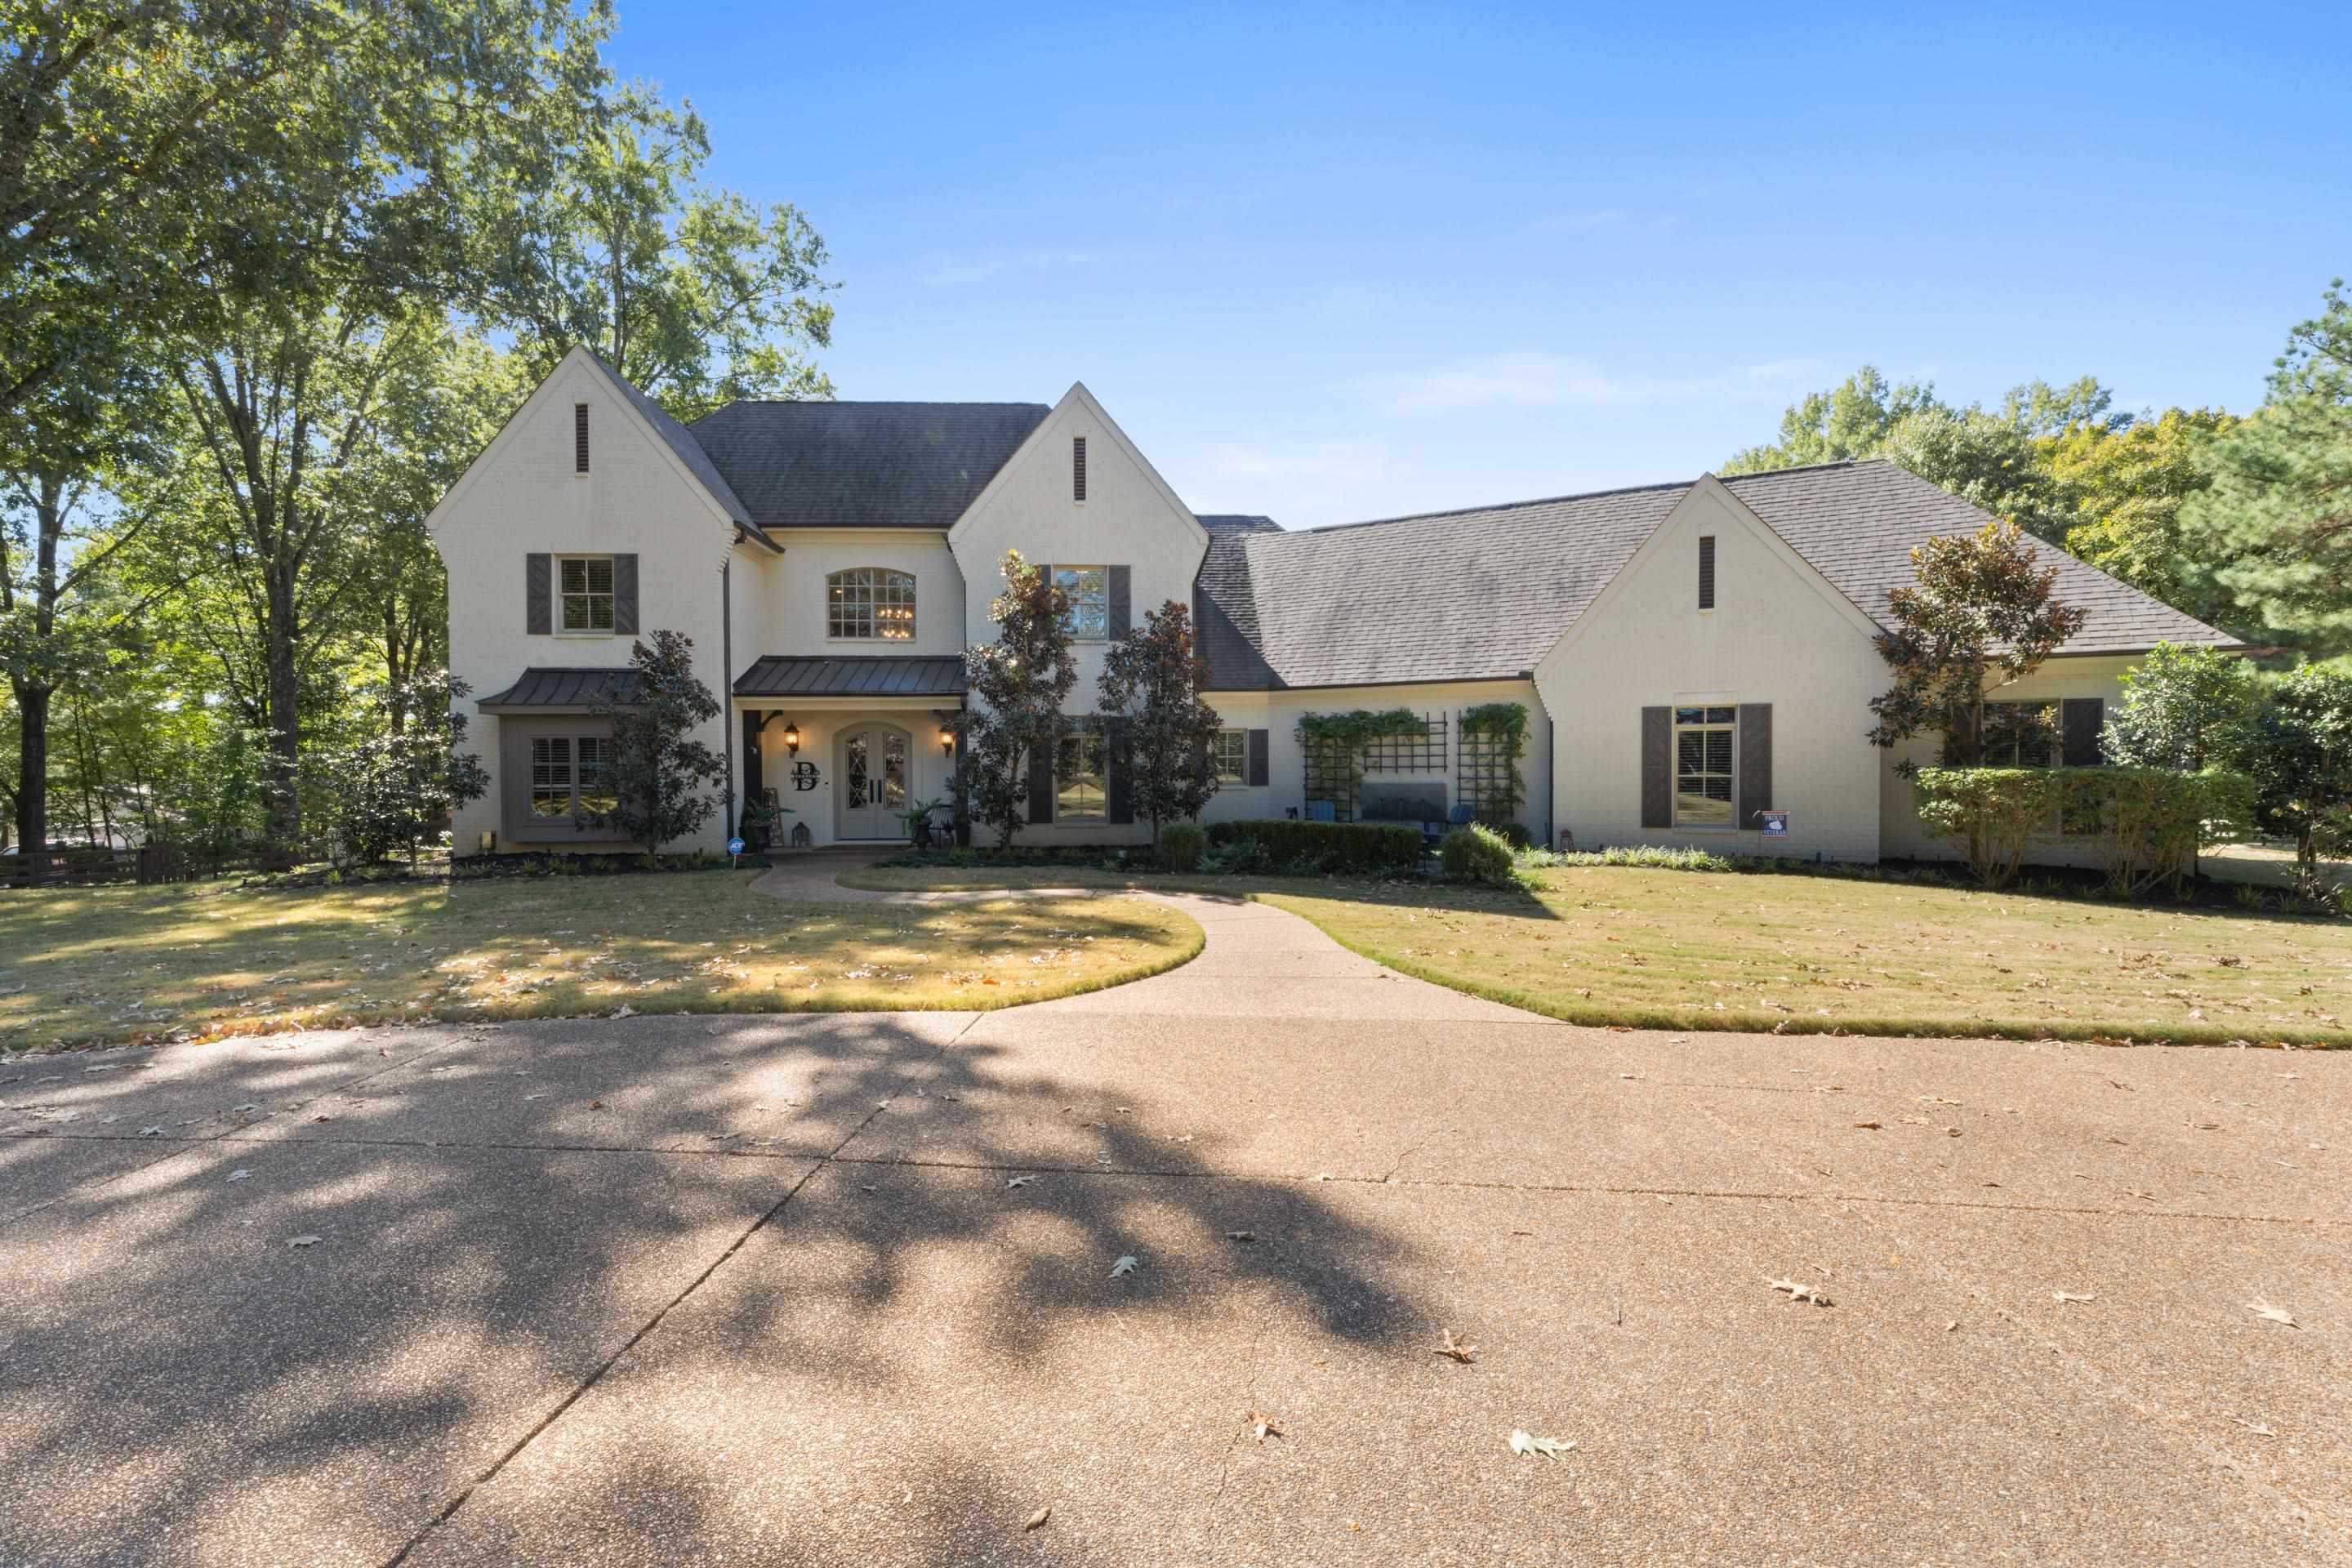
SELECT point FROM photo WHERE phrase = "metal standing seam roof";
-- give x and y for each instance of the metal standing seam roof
(570, 686)
(862, 465)
(878, 675)
(1481, 593)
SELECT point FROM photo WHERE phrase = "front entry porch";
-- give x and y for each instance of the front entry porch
(847, 746)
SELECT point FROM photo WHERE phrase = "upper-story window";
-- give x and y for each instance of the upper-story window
(870, 602)
(1088, 588)
(587, 592)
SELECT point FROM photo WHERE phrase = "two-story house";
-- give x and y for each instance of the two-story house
(1696, 659)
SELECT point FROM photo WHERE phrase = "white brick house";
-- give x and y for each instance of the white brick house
(1690, 654)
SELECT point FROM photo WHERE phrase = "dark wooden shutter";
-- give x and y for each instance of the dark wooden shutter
(538, 573)
(1077, 468)
(1707, 571)
(753, 782)
(1200, 762)
(1122, 601)
(580, 437)
(625, 596)
(1116, 757)
(1657, 767)
(1041, 782)
(2080, 719)
(1755, 762)
(1257, 756)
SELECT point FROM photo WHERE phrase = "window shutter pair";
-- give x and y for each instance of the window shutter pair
(539, 595)
(2080, 719)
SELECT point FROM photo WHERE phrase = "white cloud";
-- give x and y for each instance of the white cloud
(1535, 379)
(948, 268)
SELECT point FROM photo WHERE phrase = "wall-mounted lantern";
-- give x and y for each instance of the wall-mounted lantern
(947, 742)
(793, 739)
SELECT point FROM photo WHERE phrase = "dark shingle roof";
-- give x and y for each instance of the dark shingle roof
(543, 686)
(862, 465)
(680, 441)
(1482, 593)
(877, 675)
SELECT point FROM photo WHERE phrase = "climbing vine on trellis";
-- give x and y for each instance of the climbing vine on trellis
(1334, 745)
(1494, 739)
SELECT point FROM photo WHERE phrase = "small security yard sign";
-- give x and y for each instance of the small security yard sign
(1776, 823)
(734, 849)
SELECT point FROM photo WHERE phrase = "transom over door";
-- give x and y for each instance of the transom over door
(872, 782)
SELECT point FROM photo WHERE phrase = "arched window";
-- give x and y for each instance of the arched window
(870, 602)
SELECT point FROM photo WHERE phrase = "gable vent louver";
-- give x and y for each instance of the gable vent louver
(1707, 571)
(580, 437)
(1077, 468)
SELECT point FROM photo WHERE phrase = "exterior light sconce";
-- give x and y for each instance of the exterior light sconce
(947, 742)
(793, 739)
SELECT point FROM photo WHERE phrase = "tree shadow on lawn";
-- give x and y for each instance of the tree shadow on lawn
(500, 1212)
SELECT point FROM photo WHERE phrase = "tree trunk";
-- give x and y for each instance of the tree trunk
(32, 774)
(284, 696)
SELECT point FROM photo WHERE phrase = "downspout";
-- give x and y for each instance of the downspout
(1551, 779)
(726, 678)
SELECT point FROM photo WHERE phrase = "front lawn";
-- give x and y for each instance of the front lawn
(1688, 950)
(84, 965)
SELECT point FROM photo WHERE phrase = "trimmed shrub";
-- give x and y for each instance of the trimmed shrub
(1372, 848)
(1992, 812)
(1181, 844)
(2150, 822)
(1476, 854)
(1650, 857)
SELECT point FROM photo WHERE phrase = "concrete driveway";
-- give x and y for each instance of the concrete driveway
(839, 1289)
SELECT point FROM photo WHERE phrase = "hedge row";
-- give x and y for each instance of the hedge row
(1371, 847)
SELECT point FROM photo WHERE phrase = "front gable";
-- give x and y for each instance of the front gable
(1128, 507)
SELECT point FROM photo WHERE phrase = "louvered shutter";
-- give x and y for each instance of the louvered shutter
(538, 574)
(1257, 756)
(1657, 767)
(625, 596)
(1122, 601)
(580, 437)
(1707, 571)
(1755, 762)
(1116, 757)
(1040, 783)
(2080, 719)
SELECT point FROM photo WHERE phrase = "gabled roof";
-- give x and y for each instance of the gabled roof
(675, 436)
(1481, 593)
(861, 464)
(863, 675)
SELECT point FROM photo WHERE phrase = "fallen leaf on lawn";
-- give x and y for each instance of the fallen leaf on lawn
(2269, 1313)
(150, 1132)
(1263, 1425)
(1124, 1267)
(596, 1105)
(1018, 1181)
(1800, 1292)
(1550, 1447)
(1867, 1126)
(2259, 1428)
(304, 1241)
(1039, 1518)
(623, 1011)
(1456, 1349)
(238, 1175)
(2066, 1296)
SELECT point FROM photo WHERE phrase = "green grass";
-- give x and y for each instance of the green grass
(89, 965)
(1685, 950)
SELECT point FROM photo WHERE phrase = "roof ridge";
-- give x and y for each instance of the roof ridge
(873, 403)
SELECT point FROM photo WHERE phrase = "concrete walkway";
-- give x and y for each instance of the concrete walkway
(841, 1288)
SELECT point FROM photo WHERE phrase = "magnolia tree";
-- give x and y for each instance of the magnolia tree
(1150, 688)
(1980, 615)
(1018, 684)
(388, 792)
(2298, 755)
(660, 777)
(2185, 709)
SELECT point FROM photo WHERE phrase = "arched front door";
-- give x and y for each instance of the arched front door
(872, 782)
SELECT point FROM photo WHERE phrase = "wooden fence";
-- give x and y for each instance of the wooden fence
(91, 865)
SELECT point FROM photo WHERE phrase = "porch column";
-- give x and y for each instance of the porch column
(752, 776)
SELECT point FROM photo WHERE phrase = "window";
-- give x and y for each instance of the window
(572, 775)
(1088, 588)
(1077, 468)
(1703, 753)
(870, 602)
(587, 592)
(1229, 757)
(580, 437)
(1707, 571)
(2021, 734)
(1080, 780)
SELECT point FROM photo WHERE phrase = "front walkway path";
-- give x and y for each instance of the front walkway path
(840, 1288)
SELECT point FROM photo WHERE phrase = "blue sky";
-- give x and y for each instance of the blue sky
(1349, 262)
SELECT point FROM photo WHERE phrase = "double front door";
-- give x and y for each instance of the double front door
(872, 776)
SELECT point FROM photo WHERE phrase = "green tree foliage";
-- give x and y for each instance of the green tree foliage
(696, 295)
(2121, 492)
(2185, 709)
(2275, 528)
(1849, 420)
(1150, 688)
(2298, 755)
(1992, 813)
(1018, 685)
(1978, 615)
(390, 790)
(661, 777)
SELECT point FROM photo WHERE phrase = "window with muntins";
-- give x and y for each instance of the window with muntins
(1088, 588)
(1706, 743)
(2021, 734)
(870, 602)
(587, 592)
(572, 775)
(1081, 779)
(1707, 571)
(1229, 757)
